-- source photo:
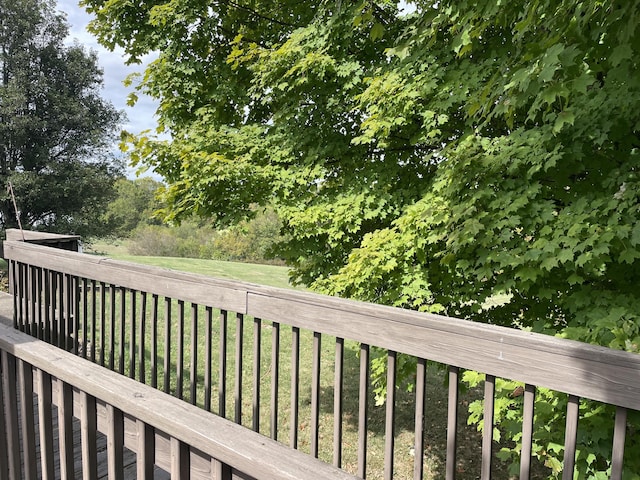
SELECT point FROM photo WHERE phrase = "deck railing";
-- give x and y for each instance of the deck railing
(191, 336)
(159, 429)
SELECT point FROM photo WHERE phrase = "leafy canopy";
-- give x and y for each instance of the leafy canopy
(436, 160)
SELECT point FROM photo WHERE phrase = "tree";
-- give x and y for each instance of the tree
(135, 204)
(55, 130)
(438, 160)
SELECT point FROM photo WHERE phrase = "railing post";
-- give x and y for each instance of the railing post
(9, 389)
(27, 416)
(4, 449)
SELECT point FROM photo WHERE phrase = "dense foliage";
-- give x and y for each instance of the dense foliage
(435, 160)
(134, 205)
(55, 130)
(251, 241)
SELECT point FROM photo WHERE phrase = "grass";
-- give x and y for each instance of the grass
(469, 440)
(272, 275)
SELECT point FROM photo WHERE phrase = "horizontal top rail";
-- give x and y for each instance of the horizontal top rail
(568, 366)
(39, 237)
(232, 444)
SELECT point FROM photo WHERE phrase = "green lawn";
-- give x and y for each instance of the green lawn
(272, 275)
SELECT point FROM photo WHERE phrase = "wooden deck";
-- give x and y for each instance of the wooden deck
(178, 355)
(129, 458)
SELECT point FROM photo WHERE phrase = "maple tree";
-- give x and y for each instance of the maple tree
(478, 160)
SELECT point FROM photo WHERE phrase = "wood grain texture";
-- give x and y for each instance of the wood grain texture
(586, 371)
(245, 451)
(189, 287)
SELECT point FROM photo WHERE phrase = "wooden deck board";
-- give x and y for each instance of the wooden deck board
(129, 458)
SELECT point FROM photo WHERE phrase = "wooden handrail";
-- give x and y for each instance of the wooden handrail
(207, 434)
(69, 298)
(568, 366)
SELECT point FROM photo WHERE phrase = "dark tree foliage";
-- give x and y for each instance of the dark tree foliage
(55, 129)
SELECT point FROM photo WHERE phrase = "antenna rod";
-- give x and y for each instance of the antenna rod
(15, 207)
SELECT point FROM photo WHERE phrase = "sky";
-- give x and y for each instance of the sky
(141, 116)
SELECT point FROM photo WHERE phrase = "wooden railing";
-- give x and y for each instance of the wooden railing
(140, 321)
(161, 430)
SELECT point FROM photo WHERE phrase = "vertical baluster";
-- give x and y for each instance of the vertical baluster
(221, 471)
(222, 366)
(527, 432)
(45, 427)
(103, 321)
(41, 291)
(275, 377)
(452, 423)
(142, 374)
(22, 323)
(58, 303)
(180, 353)
(570, 437)
(88, 433)
(17, 293)
(48, 328)
(122, 328)
(208, 329)
(28, 303)
(179, 459)
(10, 391)
(257, 344)
(65, 430)
(619, 433)
(85, 318)
(238, 363)
(389, 428)
(154, 341)
(14, 289)
(315, 393)
(24, 289)
(37, 302)
(145, 457)
(338, 402)
(94, 318)
(53, 324)
(32, 302)
(167, 344)
(73, 310)
(27, 417)
(418, 447)
(67, 315)
(193, 373)
(295, 385)
(132, 334)
(115, 443)
(487, 432)
(112, 328)
(363, 403)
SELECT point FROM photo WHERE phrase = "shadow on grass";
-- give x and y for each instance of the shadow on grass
(468, 458)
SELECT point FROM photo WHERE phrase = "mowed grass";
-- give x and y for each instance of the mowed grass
(469, 439)
(272, 275)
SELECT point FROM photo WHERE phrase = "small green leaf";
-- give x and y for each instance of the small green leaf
(563, 118)
(377, 31)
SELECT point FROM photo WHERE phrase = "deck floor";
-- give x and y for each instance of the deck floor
(129, 458)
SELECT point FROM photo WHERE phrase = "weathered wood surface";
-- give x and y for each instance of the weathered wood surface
(564, 365)
(177, 424)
